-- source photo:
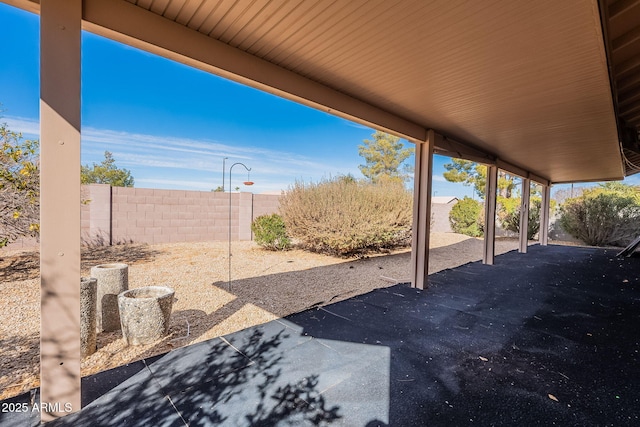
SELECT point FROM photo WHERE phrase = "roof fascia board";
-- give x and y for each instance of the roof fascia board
(132, 25)
(539, 180)
(28, 5)
(458, 155)
(453, 148)
(522, 173)
(449, 147)
(589, 180)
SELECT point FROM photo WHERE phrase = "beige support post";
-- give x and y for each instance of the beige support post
(422, 212)
(60, 25)
(524, 215)
(543, 234)
(491, 193)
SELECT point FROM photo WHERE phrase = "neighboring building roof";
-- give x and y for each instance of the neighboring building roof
(445, 200)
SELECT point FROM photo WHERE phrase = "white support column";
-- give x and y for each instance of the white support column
(60, 26)
(491, 194)
(422, 212)
(524, 215)
(543, 234)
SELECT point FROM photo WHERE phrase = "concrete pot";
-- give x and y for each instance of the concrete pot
(112, 280)
(145, 313)
(88, 306)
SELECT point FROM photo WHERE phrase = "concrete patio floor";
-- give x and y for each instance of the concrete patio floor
(551, 337)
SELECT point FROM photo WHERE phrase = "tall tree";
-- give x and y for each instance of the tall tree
(106, 173)
(384, 156)
(474, 174)
(19, 187)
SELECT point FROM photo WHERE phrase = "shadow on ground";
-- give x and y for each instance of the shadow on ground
(129, 254)
(267, 291)
(199, 386)
(26, 265)
(22, 266)
(20, 357)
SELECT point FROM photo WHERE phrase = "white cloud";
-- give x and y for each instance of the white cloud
(172, 183)
(439, 178)
(174, 162)
(28, 127)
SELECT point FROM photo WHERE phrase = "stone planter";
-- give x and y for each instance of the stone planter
(145, 313)
(112, 280)
(88, 306)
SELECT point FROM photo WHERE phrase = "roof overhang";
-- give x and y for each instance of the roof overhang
(621, 20)
(522, 85)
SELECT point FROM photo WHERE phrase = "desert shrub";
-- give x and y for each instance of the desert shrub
(346, 217)
(270, 232)
(601, 218)
(466, 217)
(510, 216)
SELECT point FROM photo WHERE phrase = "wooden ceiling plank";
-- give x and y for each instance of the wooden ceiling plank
(173, 8)
(248, 20)
(621, 6)
(320, 30)
(214, 14)
(629, 97)
(144, 3)
(188, 10)
(159, 6)
(628, 83)
(630, 109)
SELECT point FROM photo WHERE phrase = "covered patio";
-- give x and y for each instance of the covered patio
(550, 339)
(544, 90)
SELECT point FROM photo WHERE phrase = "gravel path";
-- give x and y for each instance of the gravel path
(265, 285)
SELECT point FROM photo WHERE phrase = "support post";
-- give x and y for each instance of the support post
(491, 193)
(524, 215)
(543, 234)
(60, 35)
(422, 212)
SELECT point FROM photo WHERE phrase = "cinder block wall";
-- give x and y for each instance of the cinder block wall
(111, 215)
(265, 204)
(164, 216)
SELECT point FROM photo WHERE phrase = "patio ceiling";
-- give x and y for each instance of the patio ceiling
(526, 83)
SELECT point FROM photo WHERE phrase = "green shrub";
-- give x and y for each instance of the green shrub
(269, 232)
(601, 218)
(346, 217)
(466, 217)
(510, 216)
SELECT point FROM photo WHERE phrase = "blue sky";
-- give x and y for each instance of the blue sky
(172, 125)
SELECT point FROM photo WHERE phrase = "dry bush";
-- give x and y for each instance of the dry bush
(345, 218)
(601, 219)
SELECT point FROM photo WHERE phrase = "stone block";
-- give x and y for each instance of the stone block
(145, 314)
(112, 279)
(88, 315)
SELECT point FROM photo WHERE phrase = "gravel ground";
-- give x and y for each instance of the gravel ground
(265, 285)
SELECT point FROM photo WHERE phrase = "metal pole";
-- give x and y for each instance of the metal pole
(223, 172)
(229, 251)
